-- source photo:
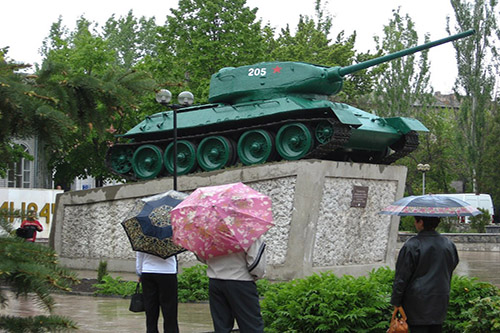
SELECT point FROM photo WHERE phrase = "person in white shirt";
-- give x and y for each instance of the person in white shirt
(159, 287)
(232, 290)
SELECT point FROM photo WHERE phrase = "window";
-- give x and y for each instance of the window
(19, 174)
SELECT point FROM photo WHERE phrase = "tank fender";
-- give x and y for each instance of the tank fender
(345, 116)
(405, 125)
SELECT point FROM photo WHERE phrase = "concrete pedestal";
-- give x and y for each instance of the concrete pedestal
(325, 212)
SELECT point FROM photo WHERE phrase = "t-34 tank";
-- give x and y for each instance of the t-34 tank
(266, 112)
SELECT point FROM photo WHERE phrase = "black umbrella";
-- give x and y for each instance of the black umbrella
(149, 228)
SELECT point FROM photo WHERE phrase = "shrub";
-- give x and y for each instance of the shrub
(479, 222)
(484, 315)
(326, 303)
(193, 284)
(117, 286)
(464, 293)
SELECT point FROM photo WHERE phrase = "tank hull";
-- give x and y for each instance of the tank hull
(254, 132)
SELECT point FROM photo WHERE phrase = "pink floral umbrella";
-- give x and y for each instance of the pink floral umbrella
(219, 220)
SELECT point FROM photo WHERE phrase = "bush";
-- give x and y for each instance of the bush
(465, 292)
(193, 284)
(484, 315)
(326, 303)
(479, 222)
(118, 286)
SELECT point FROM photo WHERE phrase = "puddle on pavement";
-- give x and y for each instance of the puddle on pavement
(109, 314)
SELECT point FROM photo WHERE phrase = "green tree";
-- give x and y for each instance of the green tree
(405, 81)
(132, 38)
(491, 161)
(206, 36)
(475, 83)
(25, 111)
(30, 269)
(80, 71)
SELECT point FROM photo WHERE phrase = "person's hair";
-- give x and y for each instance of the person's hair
(430, 222)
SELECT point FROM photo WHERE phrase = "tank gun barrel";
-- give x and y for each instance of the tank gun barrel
(337, 73)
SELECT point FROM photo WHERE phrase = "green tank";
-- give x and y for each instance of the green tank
(267, 112)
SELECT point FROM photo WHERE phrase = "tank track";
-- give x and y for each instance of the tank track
(404, 146)
(340, 137)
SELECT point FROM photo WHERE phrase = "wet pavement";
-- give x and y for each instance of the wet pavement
(110, 314)
(483, 265)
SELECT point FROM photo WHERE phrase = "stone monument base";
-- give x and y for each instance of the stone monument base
(325, 212)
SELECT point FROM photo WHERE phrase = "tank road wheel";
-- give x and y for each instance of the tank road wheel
(147, 161)
(186, 157)
(255, 147)
(121, 159)
(323, 132)
(214, 152)
(293, 141)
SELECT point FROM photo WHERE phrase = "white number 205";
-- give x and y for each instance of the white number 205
(256, 71)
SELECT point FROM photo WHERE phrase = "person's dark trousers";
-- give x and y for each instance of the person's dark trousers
(231, 299)
(426, 328)
(160, 291)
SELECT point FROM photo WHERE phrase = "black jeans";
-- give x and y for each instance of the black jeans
(238, 300)
(160, 291)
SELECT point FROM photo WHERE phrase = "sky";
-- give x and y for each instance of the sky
(24, 24)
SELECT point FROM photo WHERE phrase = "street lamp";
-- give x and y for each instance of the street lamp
(423, 168)
(185, 98)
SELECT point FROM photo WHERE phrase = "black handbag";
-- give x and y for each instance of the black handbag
(137, 301)
(26, 232)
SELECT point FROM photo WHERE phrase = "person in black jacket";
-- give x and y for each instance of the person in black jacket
(423, 274)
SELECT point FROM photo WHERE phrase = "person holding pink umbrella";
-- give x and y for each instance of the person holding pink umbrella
(232, 290)
(223, 225)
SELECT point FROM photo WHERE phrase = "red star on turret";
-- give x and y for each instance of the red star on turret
(277, 69)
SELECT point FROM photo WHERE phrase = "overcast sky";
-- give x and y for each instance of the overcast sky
(24, 24)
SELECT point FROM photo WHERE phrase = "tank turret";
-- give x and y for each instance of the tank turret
(267, 112)
(277, 79)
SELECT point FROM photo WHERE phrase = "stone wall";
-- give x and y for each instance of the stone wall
(316, 229)
(466, 241)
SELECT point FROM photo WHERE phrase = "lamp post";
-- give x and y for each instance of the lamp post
(185, 98)
(423, 168)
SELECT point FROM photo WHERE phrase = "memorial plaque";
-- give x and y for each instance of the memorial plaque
(359, 196)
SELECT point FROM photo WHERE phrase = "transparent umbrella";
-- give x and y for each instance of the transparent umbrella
(430, 205)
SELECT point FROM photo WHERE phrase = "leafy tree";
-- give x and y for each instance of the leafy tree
(205, 36)
(405, 82)
(437, 148)
(491, 161)
(132, 38)
(31, 268)
(24, 111)
(80, 71)
(476, 81)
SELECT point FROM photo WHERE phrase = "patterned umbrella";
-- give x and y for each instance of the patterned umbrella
(430, 205)
(148, 226)
(219, 220)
